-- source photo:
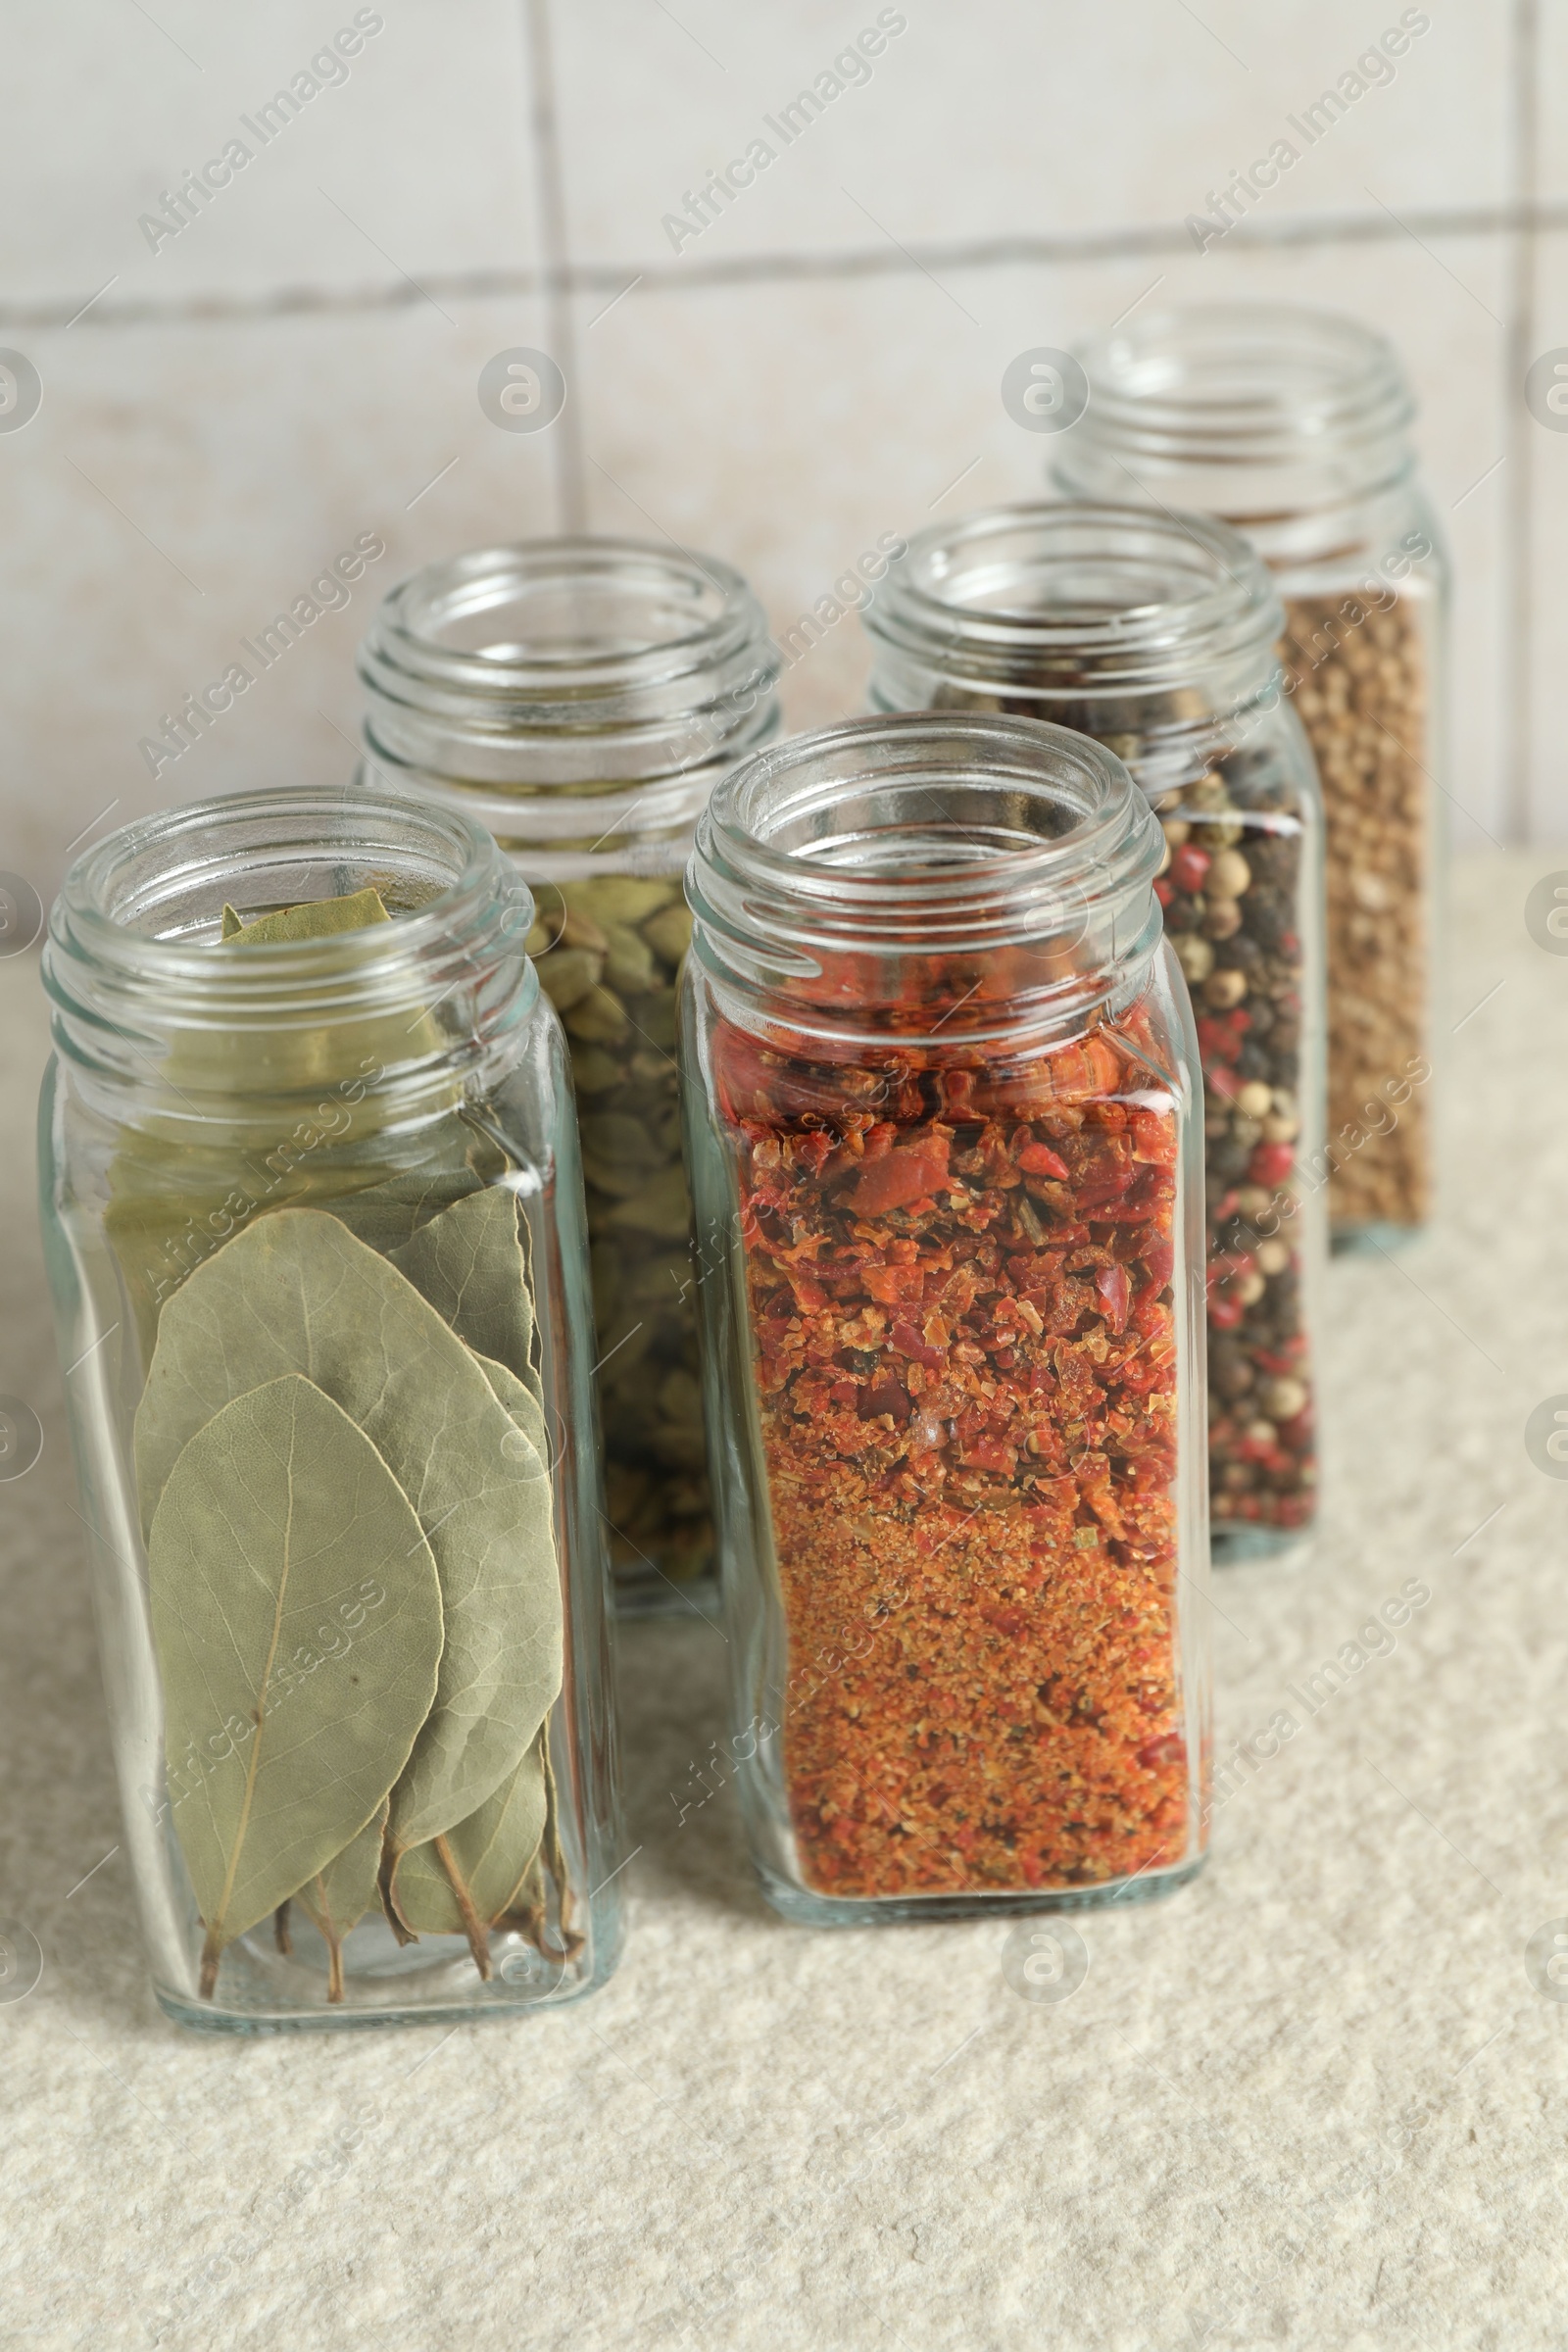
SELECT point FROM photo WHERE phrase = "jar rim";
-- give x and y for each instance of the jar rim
(122, 987)
(819, 940)
(678, 614)
(1077, 596)
(931, 748)
(87, 898)
(1242, 384)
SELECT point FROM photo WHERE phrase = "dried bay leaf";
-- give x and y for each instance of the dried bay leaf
(455, 1160)
(278, 1515)
(471, 1877)
(468, 1261)
(388, 1214)
(252, 1118)
(253, 1060)
(338, 1896)
(172, 1203)
(296, 1292)
(523, 1407)
(316, 918)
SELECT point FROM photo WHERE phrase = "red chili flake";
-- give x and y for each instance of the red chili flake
(1037, 1160)
(1158, 1755)
(1157, 1255)
(1115, 1291)
(920, 1170)
(971, 1443)
(907, 1340)
(892, 1285)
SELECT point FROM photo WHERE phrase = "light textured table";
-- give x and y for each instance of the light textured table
(1313, 2100)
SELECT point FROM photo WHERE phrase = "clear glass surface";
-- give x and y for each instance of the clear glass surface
(582, 698)
(1292, 424)
(942, 1125)
(213, 1108)
(1155, 634)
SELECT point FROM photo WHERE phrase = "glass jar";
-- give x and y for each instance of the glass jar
(581, 698)
(313, 1222)
(1155, 634)
(940, 1094)
(1293, 425)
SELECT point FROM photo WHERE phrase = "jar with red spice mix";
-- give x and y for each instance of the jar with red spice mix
(943, 1128)
(1155, 634)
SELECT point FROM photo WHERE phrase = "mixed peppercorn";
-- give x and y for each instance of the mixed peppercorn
(1230, 894)
(959, 1291)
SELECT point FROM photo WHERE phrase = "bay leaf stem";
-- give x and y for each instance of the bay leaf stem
(332, 1938)
(391, 1855)
(472, 1925)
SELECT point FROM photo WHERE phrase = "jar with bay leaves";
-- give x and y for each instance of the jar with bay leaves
(582, 698)
(1293, 425)
(313, 1222)
(1155, 633)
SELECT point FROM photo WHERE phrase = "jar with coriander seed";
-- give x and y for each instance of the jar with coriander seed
(582, 698)
(1155, 633)
(940, 1094)
(1293, 425)
(312, 1216)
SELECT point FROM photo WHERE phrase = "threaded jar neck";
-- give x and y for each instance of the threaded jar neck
(580, 697)
(1116, 621)
(143, 993)
(926, 877)
(1249, 411)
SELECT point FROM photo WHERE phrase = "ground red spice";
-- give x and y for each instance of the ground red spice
(959, 1290)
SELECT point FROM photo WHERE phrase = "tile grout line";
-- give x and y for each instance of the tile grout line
(564, 278)
(1518, 732)
(571, 481)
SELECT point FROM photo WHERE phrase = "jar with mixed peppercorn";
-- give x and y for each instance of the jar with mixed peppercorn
(941, 1095)
(1294, 425)
(581, 698)
(1155, 633)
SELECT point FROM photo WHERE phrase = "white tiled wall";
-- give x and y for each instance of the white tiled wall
(1065, 118)
(817, 366)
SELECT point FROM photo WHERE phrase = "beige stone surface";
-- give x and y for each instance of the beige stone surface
(1313, 2101)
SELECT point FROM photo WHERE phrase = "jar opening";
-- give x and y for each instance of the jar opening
(1258, 379)
(1253, 411)
(922, 815)
(578, 696)
(133, 958)
(1080, 597)
(563, 616)
(926, 869)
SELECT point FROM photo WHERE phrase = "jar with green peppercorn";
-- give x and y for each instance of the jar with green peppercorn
(581, 698)
(1155, 633)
